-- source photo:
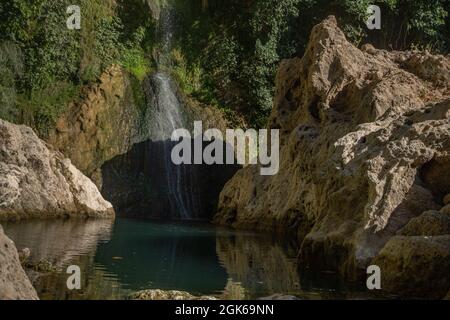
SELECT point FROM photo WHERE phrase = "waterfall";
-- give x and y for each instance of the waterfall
(166, 113)
(143, 182)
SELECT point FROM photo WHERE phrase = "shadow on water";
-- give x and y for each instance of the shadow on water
(119, 258)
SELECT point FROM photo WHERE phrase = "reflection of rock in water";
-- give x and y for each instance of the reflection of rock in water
(96, 283)
(259, 265)
(59, 241)
(62, 243)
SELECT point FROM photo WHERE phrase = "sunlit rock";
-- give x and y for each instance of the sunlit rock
(36, 181)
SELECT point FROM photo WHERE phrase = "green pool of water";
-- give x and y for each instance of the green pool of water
(119, 257)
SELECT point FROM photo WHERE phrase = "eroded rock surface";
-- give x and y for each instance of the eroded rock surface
(104, 124)
(416, 266)
(365, 147)
(166, 295)
(38, 182)
(14, 283)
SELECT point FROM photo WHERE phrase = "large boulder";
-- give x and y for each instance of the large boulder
(38, 182)
(364, 148)
(416, 266)
(14, 283)
(430, 223)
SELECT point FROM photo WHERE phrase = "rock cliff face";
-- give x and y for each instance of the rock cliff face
(14, 283)
(38, 182)
(365, 147)
(108, 136)
(103, 125)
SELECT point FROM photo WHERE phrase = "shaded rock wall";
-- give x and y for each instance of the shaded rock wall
(136, 184)
(365, 146)
(36, 181)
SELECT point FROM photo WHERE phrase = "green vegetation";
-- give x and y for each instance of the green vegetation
(225, 52)
(44, 64)
(233, 47)
(11, 67)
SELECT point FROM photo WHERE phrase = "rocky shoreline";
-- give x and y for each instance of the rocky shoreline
(365, 156)
(14, 283)
(37, 182)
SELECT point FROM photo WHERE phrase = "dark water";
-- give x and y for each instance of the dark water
(121, 257)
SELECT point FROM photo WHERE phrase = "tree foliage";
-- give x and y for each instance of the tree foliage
(239, 44)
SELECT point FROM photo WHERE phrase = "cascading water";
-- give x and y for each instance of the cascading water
(144, 183)
(166, 115)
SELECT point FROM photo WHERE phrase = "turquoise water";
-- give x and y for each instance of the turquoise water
(121, 257)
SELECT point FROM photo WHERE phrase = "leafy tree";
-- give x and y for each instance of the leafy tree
(11, 67)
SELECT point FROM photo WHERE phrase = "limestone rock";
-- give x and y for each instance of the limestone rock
(416, 266)
(166, 295)
(430, 223)
(38, 182)
(365, 147)
(102, 125)
(14, 283)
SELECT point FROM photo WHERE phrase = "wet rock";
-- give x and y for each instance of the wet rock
(416, 266)
(365, 147)
(14, 283)
(166, 295)
(430, 223)
(36, 181)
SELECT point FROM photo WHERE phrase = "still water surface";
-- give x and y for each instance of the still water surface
(124, 256)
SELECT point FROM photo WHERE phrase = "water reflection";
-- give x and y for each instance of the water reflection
(60, 241)
(117, 258)
(258, 263)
